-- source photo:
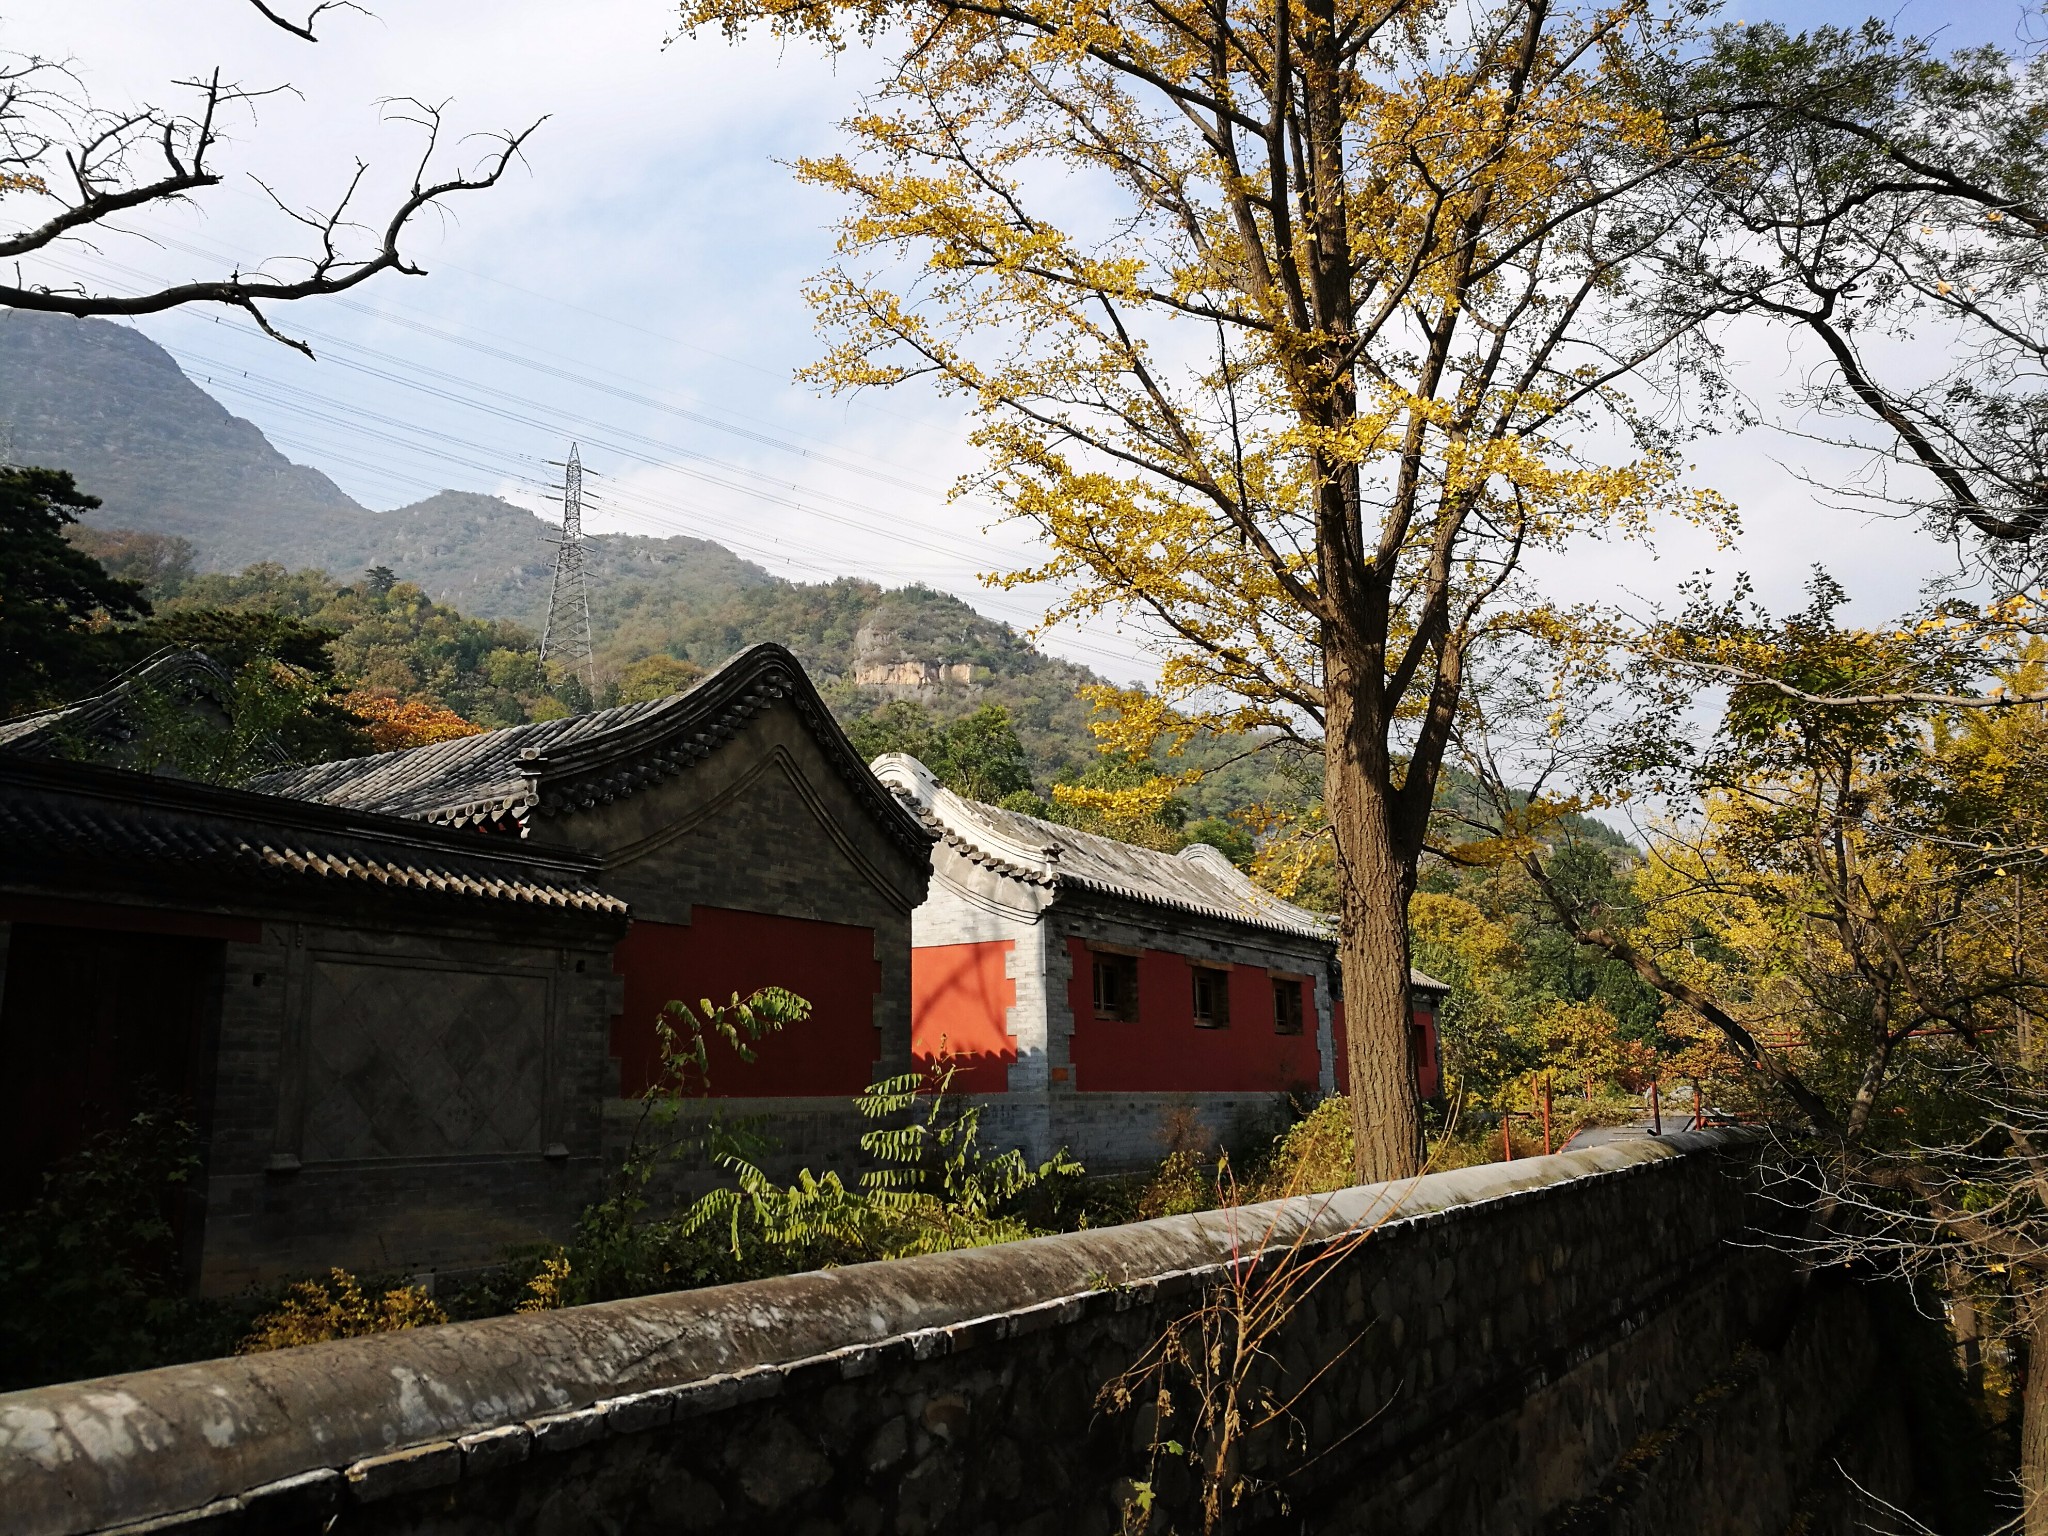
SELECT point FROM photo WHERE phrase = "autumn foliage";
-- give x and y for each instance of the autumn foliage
(316, 1311)
(393, 724)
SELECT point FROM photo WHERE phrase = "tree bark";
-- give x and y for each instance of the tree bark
(1968, 1331)
(2034, 1425)
(1373, 882)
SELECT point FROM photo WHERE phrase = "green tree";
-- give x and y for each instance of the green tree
(55, 600)
(1226, 836)
(901, 725)
(978, 755)
(236, 637)
(983, 758)
(652, 677)
(398, 643)
(161, 562)
(266, 714)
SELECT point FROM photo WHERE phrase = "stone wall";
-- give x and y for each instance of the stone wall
(401, 1101)
(1589, 1342)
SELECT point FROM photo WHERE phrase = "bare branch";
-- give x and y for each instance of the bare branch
(305, 28)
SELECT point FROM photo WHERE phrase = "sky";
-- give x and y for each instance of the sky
(635, 285)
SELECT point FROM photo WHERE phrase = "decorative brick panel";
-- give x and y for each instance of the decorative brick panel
(406, 1063)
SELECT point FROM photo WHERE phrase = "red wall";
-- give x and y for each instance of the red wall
(717, 953)
(1428, 1058)
(1162, 1050)
(959, 1002)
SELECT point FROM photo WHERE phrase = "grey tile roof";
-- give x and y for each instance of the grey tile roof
(1197, 879)
(468, 780)
(507, 777)
(77, 828)
(188, 679)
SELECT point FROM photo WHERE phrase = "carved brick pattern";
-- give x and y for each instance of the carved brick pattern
(405, 1063)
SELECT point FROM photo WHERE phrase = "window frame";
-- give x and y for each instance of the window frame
(1110, 962)
(1218, 978)
(1295, 987)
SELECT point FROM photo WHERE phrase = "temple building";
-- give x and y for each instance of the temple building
(409, 1001)
(390, 1039)
(1108, 997)
(407, 997)
(752, 844)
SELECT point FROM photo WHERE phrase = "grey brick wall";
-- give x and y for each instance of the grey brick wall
(764, 824)
(1046, 1107)
(281, 1204)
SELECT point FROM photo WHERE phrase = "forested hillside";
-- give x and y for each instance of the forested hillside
(441, 601)
(108, 404)
(213, 497)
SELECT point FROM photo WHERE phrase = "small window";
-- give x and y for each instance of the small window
(1212, 998)
(1287, 1009)
(1116, 987)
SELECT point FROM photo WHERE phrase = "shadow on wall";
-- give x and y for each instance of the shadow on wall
(960, 997)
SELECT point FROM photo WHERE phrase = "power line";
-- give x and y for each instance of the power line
(555, 418)
(665, 455)
(720, 533)
(572, 375)
(236, 380)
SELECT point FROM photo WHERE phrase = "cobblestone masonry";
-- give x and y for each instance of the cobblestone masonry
(1561, 1344)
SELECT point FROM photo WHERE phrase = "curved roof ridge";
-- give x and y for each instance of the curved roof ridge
(1218, 863)
(35, 733)
(561, 766)
(57, 816)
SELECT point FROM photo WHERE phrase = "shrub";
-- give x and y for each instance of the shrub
(92, 1279)
(934, 1189)
(313, 1312)
(1313, 1157)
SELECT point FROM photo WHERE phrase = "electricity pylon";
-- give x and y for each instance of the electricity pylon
(566, 635)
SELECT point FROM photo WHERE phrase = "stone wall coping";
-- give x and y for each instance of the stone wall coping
(363, 1419)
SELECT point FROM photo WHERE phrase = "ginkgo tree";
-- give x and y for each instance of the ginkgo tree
(1293, 327)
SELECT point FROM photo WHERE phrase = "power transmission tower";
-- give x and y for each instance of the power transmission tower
(566, 635)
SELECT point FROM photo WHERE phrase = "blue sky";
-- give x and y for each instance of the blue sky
(636, 285)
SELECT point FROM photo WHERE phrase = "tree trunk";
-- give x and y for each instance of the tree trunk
(1963, 1322)
(1373, 883)
(2034, 1425)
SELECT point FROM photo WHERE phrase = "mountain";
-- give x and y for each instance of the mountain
(110, 405)
(114, 408)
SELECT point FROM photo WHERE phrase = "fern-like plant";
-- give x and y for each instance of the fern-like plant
(617, 1252)
(933, 1187)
